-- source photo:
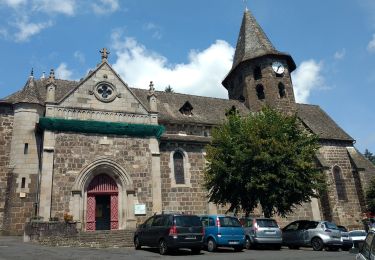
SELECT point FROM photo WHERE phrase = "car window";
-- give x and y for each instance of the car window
(342, 228)
(148, 222)
(365, 251)
(229, 222)
(211, 222)
(158, 221)
(292, 226)
(357, 233)
(330, 225)
(188, 221)
(204, 221)
(311, 224)
(267, 223)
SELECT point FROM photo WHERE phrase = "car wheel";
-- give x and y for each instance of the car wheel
(163, 248)
(137, 245)
(211, 245)
(346, 248)
(248, 243)
(317, 244)
(196, 251)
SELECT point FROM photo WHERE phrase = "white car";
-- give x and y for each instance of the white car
(357, 236)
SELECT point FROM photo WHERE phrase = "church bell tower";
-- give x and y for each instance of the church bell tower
(260, 74)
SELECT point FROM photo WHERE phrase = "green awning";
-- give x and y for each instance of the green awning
(99, 127)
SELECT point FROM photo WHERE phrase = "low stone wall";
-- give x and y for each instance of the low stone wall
(39, 230)
(67, 235)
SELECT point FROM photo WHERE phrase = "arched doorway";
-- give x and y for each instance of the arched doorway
(102, 204)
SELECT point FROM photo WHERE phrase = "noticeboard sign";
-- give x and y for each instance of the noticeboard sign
(140, 209)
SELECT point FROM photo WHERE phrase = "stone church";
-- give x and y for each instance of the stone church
(111, 155)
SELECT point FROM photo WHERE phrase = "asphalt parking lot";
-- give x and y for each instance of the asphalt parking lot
(12, 248)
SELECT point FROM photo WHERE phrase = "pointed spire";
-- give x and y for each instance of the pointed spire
(252, 41)
(51, 78)
(32, 73)
(43, 75)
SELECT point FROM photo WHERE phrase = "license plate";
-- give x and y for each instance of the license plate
(191, 237)
(233, 242)
(270, 232)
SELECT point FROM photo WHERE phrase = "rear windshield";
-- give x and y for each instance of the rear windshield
(358, 234)
(330, 225)
(229, 222)
(188, 221)
(266, 223)
(343, 229)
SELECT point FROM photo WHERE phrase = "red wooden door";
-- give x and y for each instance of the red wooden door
(91, 203)
(102, 185)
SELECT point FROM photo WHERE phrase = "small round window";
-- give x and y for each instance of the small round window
(105, 92)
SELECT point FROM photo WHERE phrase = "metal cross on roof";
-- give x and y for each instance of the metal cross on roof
(104, 53)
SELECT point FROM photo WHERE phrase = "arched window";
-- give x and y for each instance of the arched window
(178, 163)
(260, 92)
(257, 73)
(340, 183)
(282, 90)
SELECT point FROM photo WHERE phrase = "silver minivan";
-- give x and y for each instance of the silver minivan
(261, 231)
(317, 234)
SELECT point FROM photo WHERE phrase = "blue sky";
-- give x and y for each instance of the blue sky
(189, 45)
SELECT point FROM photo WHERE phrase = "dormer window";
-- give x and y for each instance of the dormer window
(186, 109)
(257, 73)
(260, 92)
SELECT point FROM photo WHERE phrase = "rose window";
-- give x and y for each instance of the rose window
(105, 92)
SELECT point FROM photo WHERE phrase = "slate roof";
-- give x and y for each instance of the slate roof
(320, 123)
(37, 93)
(206, 110)
(360, 161)
(253, 43)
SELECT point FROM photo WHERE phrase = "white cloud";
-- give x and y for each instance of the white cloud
(26, 29)
(371, 44)
(339, 55)
(13, 3)
(62, 72)
(79, 56)
(307, 78)
(105, 6)
(66, 7)
(202, 75)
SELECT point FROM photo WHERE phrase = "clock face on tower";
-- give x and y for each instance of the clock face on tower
(278, 67)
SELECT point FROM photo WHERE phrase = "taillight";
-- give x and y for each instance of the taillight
(173, 231)
(217, 222)
(255, 225)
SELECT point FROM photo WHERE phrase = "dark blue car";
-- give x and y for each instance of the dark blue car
(223, 231)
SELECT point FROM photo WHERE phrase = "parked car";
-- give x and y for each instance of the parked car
(261, 231)
(223, 231)
(170, 231)
(357, 236)
(366, 249)
(317, 234)
(345, 238)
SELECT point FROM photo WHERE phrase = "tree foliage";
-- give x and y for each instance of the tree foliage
(369, 156)
(264, 159)
(370, 196)
(169, 89)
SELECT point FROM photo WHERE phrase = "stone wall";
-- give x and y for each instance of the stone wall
(189, 198)
(345, 211)
(6, 129)
(75, 151)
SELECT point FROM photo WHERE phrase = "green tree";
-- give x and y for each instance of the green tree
(369, 156)
(370, 196)
(264, 159)
(169, 89)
